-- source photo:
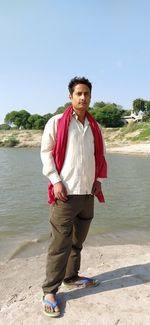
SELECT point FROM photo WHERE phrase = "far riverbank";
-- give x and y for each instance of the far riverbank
(113, 140)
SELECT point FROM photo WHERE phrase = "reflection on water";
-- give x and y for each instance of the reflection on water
(124, 218)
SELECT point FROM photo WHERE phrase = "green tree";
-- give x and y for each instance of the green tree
(126, 112)
(67, 104)
(10, 118)
(146, 116)
(147, 105)
(99, 104)
(39, 123)
(60, 110)
(139, 105)
(17, 118)
(35, 121)
(47, 117)
(23, 116)
(108, 116)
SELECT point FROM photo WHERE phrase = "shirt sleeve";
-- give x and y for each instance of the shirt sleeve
(47, 144)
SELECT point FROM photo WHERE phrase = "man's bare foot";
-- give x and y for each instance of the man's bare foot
(51, 309)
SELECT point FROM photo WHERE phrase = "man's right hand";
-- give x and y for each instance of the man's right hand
(60, 191)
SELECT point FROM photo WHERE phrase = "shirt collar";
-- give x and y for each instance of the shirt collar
(76, 117)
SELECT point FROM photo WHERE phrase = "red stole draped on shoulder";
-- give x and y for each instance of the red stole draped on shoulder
(59, 150)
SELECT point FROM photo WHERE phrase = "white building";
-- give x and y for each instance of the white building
(134, 117)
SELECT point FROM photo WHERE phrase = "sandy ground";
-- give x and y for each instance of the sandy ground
(129, 148)
(123, 297)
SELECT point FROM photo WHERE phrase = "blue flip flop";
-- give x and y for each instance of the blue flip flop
(82, 282)
(53, 305)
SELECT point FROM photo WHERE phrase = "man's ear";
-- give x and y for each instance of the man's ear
(70, 97)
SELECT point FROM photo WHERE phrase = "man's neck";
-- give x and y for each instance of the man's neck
(81, 116)
(81, 119)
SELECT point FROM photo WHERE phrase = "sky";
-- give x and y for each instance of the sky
(45, 43)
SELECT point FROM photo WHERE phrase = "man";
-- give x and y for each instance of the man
(73, 159)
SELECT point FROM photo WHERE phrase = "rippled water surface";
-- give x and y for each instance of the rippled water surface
(24, 226)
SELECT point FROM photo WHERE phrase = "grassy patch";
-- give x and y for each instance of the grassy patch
(132, 127)
(10, 142)
(144, 135)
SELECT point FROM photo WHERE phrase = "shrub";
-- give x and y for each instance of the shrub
(5, 127)
(11, 142)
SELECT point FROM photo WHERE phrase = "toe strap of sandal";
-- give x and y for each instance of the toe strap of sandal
(50, 304)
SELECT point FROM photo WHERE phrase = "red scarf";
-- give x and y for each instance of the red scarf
(59, 150)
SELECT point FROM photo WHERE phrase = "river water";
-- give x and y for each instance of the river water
(24, 220)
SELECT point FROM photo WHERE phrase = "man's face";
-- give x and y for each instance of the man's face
(80, 98)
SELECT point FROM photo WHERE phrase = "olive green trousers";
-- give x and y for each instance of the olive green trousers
(70, 222)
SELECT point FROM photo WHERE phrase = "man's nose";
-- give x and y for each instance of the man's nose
(82, 96)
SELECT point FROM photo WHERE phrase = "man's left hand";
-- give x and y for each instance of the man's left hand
(96, 188)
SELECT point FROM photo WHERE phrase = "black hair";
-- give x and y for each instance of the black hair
(78, 80)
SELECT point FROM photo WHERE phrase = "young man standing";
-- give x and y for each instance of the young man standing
(72, 153)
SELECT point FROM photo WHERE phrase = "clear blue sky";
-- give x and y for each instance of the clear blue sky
(44, 43)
